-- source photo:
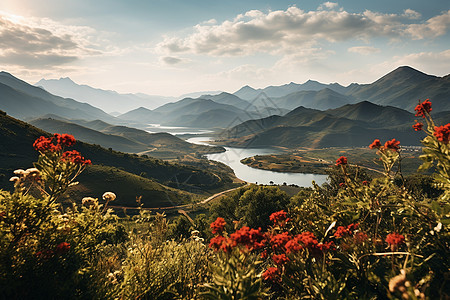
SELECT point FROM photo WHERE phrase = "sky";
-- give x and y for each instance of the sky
(174, 47)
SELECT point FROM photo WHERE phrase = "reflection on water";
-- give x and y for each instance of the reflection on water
(154, 128)
(233, 156)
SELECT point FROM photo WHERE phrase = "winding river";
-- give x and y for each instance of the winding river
(232, 157)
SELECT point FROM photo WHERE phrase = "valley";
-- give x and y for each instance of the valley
(152, 147)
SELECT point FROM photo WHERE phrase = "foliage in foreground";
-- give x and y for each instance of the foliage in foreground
(354, 239)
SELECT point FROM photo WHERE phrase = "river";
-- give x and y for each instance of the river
(232, 157)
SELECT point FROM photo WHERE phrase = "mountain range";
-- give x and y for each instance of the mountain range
(109, 101)
(352, 125)
(24, 101)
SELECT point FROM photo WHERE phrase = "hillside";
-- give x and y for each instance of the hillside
(351, 125)
(125, 139)
(16, 151)
(24, 101)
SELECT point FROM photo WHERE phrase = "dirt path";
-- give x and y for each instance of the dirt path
(183, 206)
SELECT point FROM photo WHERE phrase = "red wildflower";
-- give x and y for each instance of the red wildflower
(279, 217)
(44, 144)
(241, 236)
(342, 184)
(442, 133)
(292, 246)
(62, 248)
(418, 126)
(422, 108)
(324, 247)
(392, 144)
(280, 259)
(394, 240)
(65, 140)
(343, 231)
(279, 241)
(365, 182)
(375, 144)
(75, 157)
(341, 161)
(216, 242)
(218, 225)
(307, 239)
(257, 239)
(227, 245)
(271, 274)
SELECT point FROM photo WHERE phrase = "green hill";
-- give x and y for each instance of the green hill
(352, 125)
(125, 139)
(134, 173)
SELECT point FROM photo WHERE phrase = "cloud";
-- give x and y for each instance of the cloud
(171, 60)
(432, 62)
(434, 27)
(364, 50)
(44, 43)
(287, 31)
(328, 5)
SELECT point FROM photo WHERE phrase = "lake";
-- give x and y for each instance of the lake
(232, 157)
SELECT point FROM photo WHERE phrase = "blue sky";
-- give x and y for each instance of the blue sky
(171, 47)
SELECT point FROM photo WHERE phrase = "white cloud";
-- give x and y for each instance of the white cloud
(429, 62)
(434, 27)
(288, 31)
(34, 43)
(364, 50)
(328, 5)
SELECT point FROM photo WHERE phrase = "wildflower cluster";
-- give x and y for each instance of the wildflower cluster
(423, 109)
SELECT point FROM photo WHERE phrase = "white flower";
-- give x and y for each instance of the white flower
(109, 196)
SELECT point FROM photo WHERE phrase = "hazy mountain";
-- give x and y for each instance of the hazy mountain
(351, 125)
(323, 99)
(109, 101)
(199, 94)
(230, 99)
(142, 115)
(24, 101)
(400, 88)
(249, 93)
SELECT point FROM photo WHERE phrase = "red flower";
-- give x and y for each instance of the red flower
(218, 225)
(279, 241)
(394, 240)
(307, 239)
(376, 144)
(365, 182)
(341, 161)
(44, 144)
(65, 140)
(392, 144)
(280, 259)
(279, 217)
(271, 274)
(418, 126)
(324, 247)
(342, 184)
(292, 246)
(442, 133)
(62, 248)
(422, 108)
(75, 157)
(216, 242)
(342, 230)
